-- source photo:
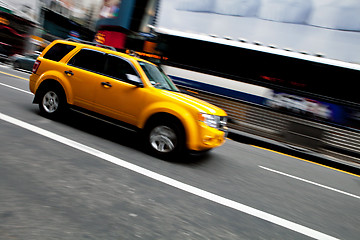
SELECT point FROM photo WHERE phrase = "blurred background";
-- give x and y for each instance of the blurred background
(283, 69)
(32, 25)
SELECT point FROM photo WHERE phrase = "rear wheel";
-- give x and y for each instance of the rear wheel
(52, 102)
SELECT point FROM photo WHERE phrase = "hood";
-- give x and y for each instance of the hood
(200, 105)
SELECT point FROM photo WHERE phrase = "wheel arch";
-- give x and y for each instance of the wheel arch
(163, 116)
(47, 84)
(185, 117)
(188, 128)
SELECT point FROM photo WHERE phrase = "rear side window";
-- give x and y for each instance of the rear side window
(118, 68)
(58, 51)
(89, 60)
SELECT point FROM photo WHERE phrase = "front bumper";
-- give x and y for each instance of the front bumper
(210, 138)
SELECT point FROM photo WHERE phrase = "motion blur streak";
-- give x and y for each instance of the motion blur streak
(171, 182)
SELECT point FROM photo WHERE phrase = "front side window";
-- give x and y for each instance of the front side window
(157, 77)
(58, 51)
(118, 68)
(89, 60)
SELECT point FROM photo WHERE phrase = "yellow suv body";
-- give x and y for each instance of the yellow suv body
(128, 89)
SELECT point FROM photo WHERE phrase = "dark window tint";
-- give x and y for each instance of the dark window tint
(58, 51)
(118, 68)
(89, 60)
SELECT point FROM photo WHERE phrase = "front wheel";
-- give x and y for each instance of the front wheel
(52, 102)
(165, 140)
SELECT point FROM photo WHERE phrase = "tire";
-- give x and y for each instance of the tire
(52, 102)
(165, 139)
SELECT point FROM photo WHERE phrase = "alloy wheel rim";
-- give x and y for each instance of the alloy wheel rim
(50, 102)
(163, 139)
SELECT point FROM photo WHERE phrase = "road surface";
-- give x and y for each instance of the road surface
(80, 178)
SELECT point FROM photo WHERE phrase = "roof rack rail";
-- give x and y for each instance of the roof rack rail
(91, 43)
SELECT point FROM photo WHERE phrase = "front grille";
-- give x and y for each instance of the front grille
(222, 122)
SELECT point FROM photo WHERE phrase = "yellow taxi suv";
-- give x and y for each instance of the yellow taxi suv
(126, 89)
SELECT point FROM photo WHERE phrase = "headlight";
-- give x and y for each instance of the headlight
(212, 120)
(208, 119)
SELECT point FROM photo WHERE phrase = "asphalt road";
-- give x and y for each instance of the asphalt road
(80, 178)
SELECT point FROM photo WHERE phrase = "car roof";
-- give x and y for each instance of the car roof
(102, 49)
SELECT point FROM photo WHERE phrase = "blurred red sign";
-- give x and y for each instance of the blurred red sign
(111, 38)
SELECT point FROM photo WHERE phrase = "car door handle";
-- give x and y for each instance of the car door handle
(106, 84)
(69, 73)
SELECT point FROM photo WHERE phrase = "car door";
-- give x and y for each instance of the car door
(83, 72)
(114, 96)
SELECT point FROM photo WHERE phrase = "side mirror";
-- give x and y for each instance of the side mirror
(135, 80)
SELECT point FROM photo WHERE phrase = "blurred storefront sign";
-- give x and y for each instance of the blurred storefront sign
(116, 13)
(111, 38)
(110, 9)
(118, 19)
(313, 109)
(38, 41)
(4, 21)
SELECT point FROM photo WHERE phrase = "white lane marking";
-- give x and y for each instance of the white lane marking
(15, 88)
(310, 182)
(5, 66)
(171, 182)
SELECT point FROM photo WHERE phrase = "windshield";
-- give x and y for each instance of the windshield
(157, 77)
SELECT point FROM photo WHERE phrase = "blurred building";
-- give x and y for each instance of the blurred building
(41, 21)
(30, 25)
(68, 18)
(121, 20)
(17, 27)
